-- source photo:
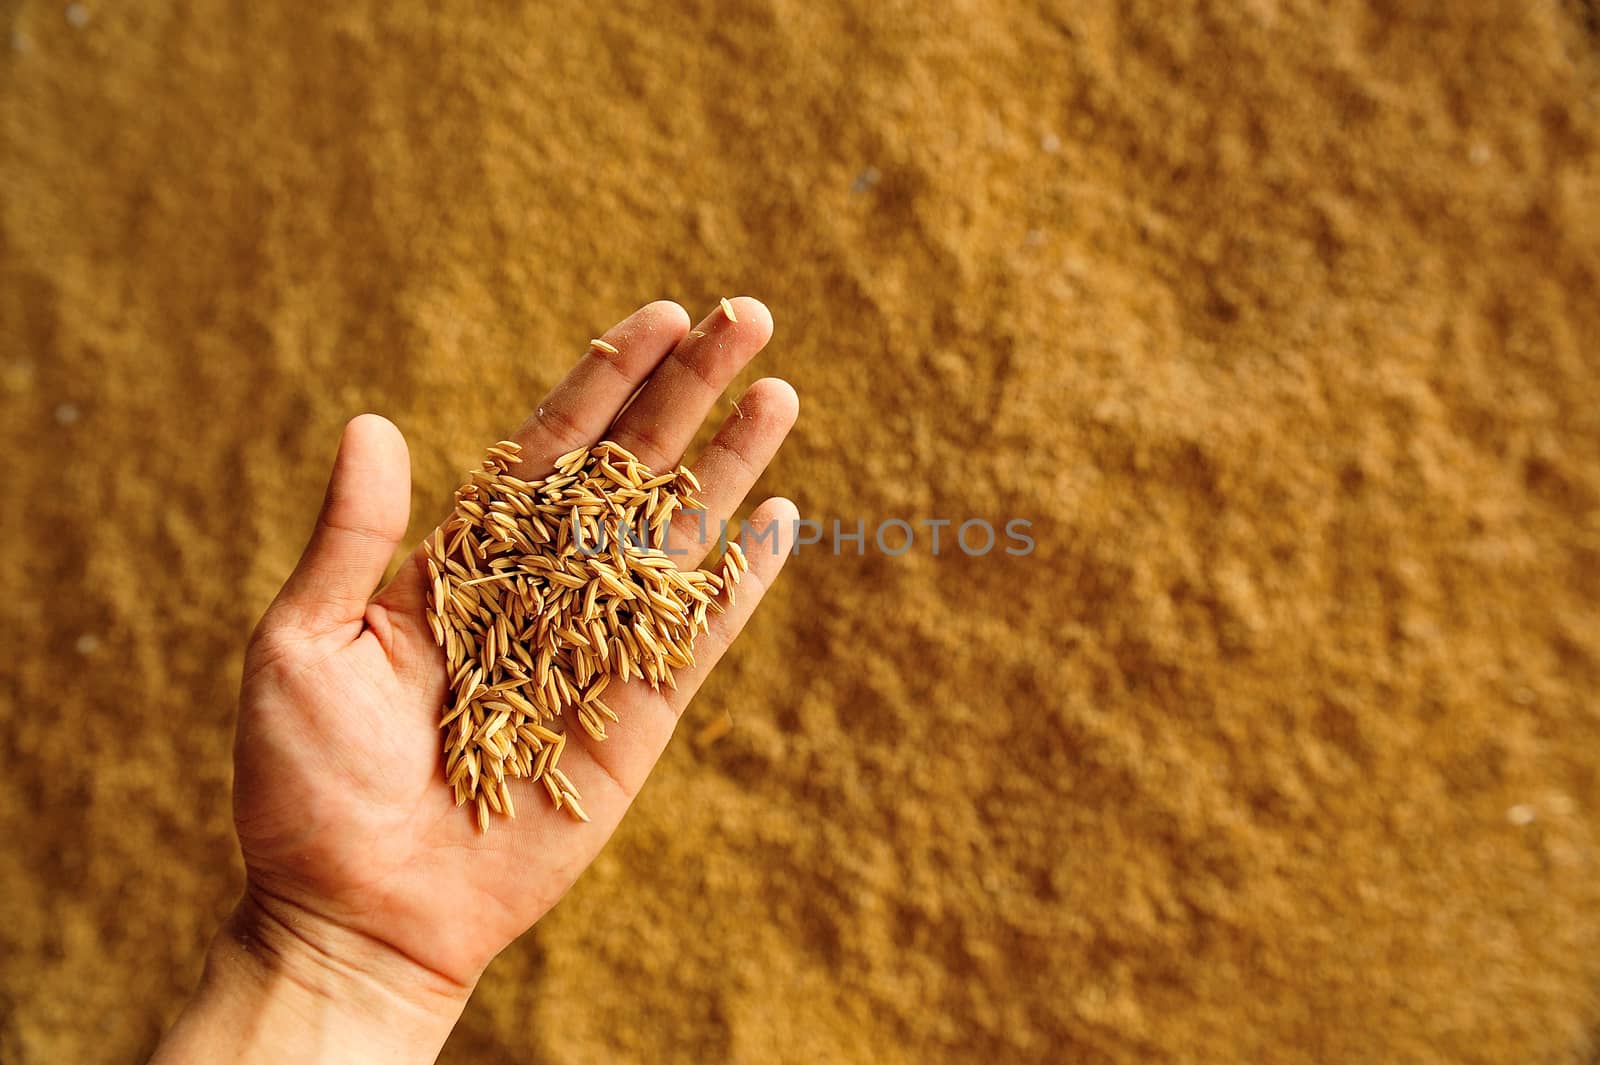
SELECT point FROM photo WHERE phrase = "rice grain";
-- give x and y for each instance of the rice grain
(541, 592)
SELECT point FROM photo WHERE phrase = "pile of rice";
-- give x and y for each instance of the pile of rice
(545, 592)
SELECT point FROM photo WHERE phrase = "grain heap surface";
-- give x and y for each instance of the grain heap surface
(1278, 316)
(542, 593)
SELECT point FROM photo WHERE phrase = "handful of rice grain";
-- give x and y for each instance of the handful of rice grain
(544, 591)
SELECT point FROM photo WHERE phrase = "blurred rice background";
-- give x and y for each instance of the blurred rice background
(1278, 319)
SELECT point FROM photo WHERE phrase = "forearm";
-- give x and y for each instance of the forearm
(267, 995)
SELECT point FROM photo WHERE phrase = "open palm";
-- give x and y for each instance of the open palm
(346, 824)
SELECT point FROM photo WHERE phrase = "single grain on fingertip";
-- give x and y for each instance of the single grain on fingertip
(727, 309)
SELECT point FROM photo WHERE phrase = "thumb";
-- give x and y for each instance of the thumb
(363, 520)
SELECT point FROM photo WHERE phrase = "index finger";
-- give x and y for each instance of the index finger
(578, 410)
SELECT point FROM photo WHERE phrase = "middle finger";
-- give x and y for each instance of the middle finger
(662, 420)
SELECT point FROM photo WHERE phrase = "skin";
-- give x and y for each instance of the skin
(372, 903)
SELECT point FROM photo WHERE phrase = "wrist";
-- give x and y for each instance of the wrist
(281, 984)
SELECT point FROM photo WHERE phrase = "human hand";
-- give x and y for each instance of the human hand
(372, 901)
